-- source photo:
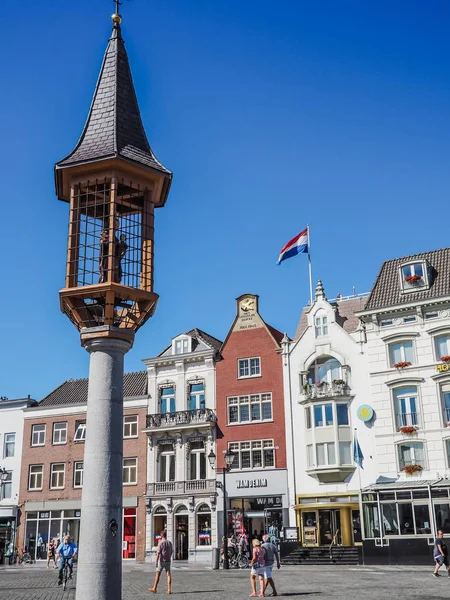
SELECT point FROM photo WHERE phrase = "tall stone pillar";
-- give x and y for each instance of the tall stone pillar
(100, 548)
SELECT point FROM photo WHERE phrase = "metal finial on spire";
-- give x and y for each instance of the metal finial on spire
(116, 18)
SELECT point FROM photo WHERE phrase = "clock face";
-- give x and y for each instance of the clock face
(247, 304)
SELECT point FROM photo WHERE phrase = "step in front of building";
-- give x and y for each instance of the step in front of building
(339, 555)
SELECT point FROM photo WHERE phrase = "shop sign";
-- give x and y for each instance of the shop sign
(365, 413)
(442, 367)
(266, 501)
(204, 508)
(160, 510)
(309, 535)
(251, 483)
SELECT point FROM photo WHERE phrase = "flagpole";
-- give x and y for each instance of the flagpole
(361, 516)
(310, 268)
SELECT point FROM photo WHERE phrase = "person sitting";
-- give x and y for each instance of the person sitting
(66, 550)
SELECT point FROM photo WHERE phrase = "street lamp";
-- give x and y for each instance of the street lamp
(228, 458)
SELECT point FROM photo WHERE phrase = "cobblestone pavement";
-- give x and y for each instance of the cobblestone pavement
(35, 582)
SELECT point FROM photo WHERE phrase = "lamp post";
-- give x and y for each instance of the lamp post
(228, 459)
(3, 477)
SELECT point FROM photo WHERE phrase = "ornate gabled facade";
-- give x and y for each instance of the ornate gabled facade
(181, 429)
(325, 383)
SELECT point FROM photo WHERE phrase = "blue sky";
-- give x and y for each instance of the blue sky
(271, 115)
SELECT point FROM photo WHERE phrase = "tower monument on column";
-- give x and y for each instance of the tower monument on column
(113, 182)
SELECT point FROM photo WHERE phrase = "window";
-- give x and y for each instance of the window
(308, 417)
(35, 477)
(445, 395)
(325, 454)
(197, 461)
(442, 344)
(431, 315)
(323, 415)
(414, 270)
(411, 453)
(167, 402)
(38, 435)
(166, 463)
(6, 487)
(130, 426)
(57, 476)
(196, 396)
(342, 414)
(386, 322)
(243, 409)
(406, 406)
(401, 352)
(10, 445)
(78, 475)
(182, 346)
(409, 319)
(59, 433)
(129, 471)
(256, 454)
(345, 455)
(80, 431)
(249, 367)
(204, 525)
(309, 456)
(325, 370)
(321, 325)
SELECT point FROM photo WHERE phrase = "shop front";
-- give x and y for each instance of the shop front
(7, 538)
(41, 526)
(326, 520)
(257, 503)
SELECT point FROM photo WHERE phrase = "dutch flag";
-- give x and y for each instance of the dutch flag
(298, 244)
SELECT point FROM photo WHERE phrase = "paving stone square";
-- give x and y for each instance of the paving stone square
(35, 582)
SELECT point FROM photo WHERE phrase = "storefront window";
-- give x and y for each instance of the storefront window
(422, 515)
(442, 512)
(159, 523)
(204, 525)
(7, 540)
(390, 523)
(371, 521)
(129, 533)
(405, 515)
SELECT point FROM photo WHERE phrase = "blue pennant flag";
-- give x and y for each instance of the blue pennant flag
(358, 456)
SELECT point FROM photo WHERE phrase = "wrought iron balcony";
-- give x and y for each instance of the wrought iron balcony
(324, 389)
(200, 416)
(177, 488)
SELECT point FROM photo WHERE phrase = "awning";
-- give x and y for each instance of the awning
(406, 484)
(254, 514)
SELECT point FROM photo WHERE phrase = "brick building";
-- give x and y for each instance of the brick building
(52, 466)
(251, 423)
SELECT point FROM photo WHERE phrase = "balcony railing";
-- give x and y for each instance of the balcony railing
(407, 420)
(182, 417)
(174, 488)
(326, 390)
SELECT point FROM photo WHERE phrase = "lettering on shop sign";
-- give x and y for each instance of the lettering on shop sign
(251, 483)
(443, 367)
(274, 501)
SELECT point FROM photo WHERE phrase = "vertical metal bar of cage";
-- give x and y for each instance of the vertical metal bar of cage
(110, 299)
(147, 243)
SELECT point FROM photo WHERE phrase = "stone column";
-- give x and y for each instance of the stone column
(100, 551)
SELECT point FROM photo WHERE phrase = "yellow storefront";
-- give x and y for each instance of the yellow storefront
(323, 520)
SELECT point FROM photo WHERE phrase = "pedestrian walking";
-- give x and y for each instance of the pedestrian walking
(51, 553)
(258, 566)
(271, 552)
(163, 560)
(440, 554)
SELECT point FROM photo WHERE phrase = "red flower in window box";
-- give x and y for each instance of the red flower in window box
(408, 429)
(411, 469)
(413, 278)
(445, 358)
(319, 384)
(402, 365)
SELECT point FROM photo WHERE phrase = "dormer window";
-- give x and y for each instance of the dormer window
(182, 345)
(414, 276)
(321, 324)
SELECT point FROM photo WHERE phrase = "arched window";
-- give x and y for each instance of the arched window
(321, 324)
(167, 399)
(159, 523)
(406, 401)
(325, 369)
(196, 395)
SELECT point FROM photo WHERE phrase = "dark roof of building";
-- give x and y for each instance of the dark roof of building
(75, 391)
(200, 336)
(345, 315)
(387, 292)
(114, 127)
(275, 333)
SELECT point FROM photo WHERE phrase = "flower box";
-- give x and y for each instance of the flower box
(338, 381)
(413, 278)
(445, 359)
(402, 365)
(409, 429)
(319, 384)
(411, 469)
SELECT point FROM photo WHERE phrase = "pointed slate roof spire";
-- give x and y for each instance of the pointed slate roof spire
(114, 127)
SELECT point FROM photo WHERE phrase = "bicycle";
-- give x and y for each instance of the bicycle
(239, 561)
(65, 572)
